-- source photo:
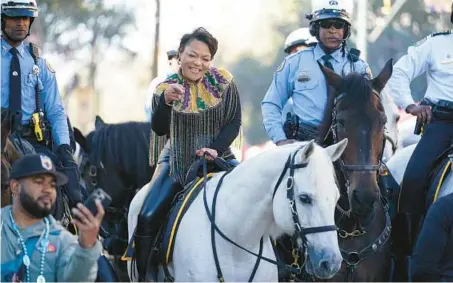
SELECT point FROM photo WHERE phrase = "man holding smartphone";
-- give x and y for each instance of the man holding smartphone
(35, 247)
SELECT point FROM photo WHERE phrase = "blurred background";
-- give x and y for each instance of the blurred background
(106, 52)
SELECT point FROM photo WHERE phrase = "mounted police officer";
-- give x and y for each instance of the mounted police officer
(300, 78)
(297, 40)
(433, 55)
(30, 92)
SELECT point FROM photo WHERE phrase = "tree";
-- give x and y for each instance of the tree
(69, 28)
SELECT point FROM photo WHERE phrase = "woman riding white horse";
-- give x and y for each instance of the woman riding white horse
(253, 203)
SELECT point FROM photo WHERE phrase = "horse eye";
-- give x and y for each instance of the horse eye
(305, 199)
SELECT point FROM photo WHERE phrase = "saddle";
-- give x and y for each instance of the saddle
(165, 238)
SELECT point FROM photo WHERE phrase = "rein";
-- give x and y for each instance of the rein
(300, 232)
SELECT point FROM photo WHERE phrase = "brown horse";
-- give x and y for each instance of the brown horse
(362, 212)
(5, 164)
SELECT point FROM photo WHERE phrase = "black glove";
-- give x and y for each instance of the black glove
(64, 152)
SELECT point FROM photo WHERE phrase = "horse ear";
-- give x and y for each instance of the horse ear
(307, 151)
(335, 151)
(381, 80)
(98, 122)
(333, 79)
(80, 138)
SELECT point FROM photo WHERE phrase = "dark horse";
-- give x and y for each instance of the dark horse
(362, 212)
(115, 158)
(5, 163)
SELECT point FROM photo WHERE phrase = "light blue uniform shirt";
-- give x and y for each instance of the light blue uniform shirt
(50, 96)
(300, 78)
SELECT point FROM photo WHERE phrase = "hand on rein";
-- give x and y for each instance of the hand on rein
(208, 153)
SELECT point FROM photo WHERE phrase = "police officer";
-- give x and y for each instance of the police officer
(30, 92)
(433, 55)
(299, 39)
(300, 77)
(173, 66)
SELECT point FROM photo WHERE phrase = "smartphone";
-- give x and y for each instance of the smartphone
(100, 195)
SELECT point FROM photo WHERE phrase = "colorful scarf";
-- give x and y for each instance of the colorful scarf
(196, 119)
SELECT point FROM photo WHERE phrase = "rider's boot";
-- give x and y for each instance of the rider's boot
(404, 234)
(153, 213)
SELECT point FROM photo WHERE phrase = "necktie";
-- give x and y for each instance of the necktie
(15, 91)
(326, 58)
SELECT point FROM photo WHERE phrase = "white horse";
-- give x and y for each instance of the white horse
(398, 163)
(252, 204)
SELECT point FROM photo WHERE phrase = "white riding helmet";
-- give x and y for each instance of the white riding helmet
(20, 8)
(299, 37)
(331, 9)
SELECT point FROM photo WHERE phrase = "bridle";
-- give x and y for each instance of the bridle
(345, 168)
(353, 258)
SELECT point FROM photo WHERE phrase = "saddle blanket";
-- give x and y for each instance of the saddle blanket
(180, 206)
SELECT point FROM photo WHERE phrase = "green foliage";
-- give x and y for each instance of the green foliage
(69, 25)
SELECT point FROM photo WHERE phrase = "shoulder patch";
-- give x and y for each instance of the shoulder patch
(282, 65)
(49, 67)
(368, 72)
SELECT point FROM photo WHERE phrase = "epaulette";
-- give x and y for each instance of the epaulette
(441, 33)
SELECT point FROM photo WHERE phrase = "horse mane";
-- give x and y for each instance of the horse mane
(111, 144)
(357, 88)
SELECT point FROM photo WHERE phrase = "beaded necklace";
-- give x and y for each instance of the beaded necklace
(44, 246)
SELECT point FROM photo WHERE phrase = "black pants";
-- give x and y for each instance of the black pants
(437, 137)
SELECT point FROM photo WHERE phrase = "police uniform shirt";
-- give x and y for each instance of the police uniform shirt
(50, 96)
(300, 77)
(433, 54)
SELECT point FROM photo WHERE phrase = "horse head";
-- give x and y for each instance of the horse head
(358, 115)
(91, 168)
(312, 194)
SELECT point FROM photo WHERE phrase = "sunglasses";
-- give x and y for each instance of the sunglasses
(335, 24)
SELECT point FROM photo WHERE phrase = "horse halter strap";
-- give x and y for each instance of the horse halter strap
(353, 167)
(300, 232)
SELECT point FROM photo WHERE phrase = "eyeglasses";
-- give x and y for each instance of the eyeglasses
(335, 24)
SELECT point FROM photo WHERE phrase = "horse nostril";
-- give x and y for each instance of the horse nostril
(324, 265)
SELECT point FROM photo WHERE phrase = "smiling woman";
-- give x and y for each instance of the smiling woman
(197, 111)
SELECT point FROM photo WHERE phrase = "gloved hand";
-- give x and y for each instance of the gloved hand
(70, 169)
(64, 152)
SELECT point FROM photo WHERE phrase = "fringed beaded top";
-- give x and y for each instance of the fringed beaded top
(197, 119)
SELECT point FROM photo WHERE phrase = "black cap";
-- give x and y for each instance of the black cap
(36, 164)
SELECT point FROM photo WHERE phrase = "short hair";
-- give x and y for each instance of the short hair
(202, 35)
